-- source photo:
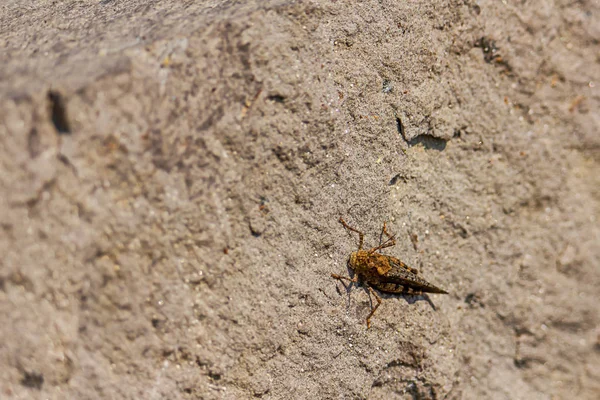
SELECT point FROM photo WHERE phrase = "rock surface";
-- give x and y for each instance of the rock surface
(172, 173)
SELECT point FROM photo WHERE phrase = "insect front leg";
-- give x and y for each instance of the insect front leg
(374, 308)
(360, 234)
(339, 277)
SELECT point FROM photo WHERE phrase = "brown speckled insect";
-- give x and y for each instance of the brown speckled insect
(384, 273)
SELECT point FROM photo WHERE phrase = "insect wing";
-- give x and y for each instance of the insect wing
(401, 275)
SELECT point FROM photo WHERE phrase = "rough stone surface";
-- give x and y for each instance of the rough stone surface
(171, 175)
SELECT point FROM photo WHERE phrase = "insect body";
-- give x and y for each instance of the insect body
(384, 273)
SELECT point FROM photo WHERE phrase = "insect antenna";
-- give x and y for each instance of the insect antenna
(391, 240)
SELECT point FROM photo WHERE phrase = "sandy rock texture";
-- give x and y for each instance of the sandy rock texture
(172, 174)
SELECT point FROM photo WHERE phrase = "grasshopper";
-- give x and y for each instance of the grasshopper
(384, 273)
